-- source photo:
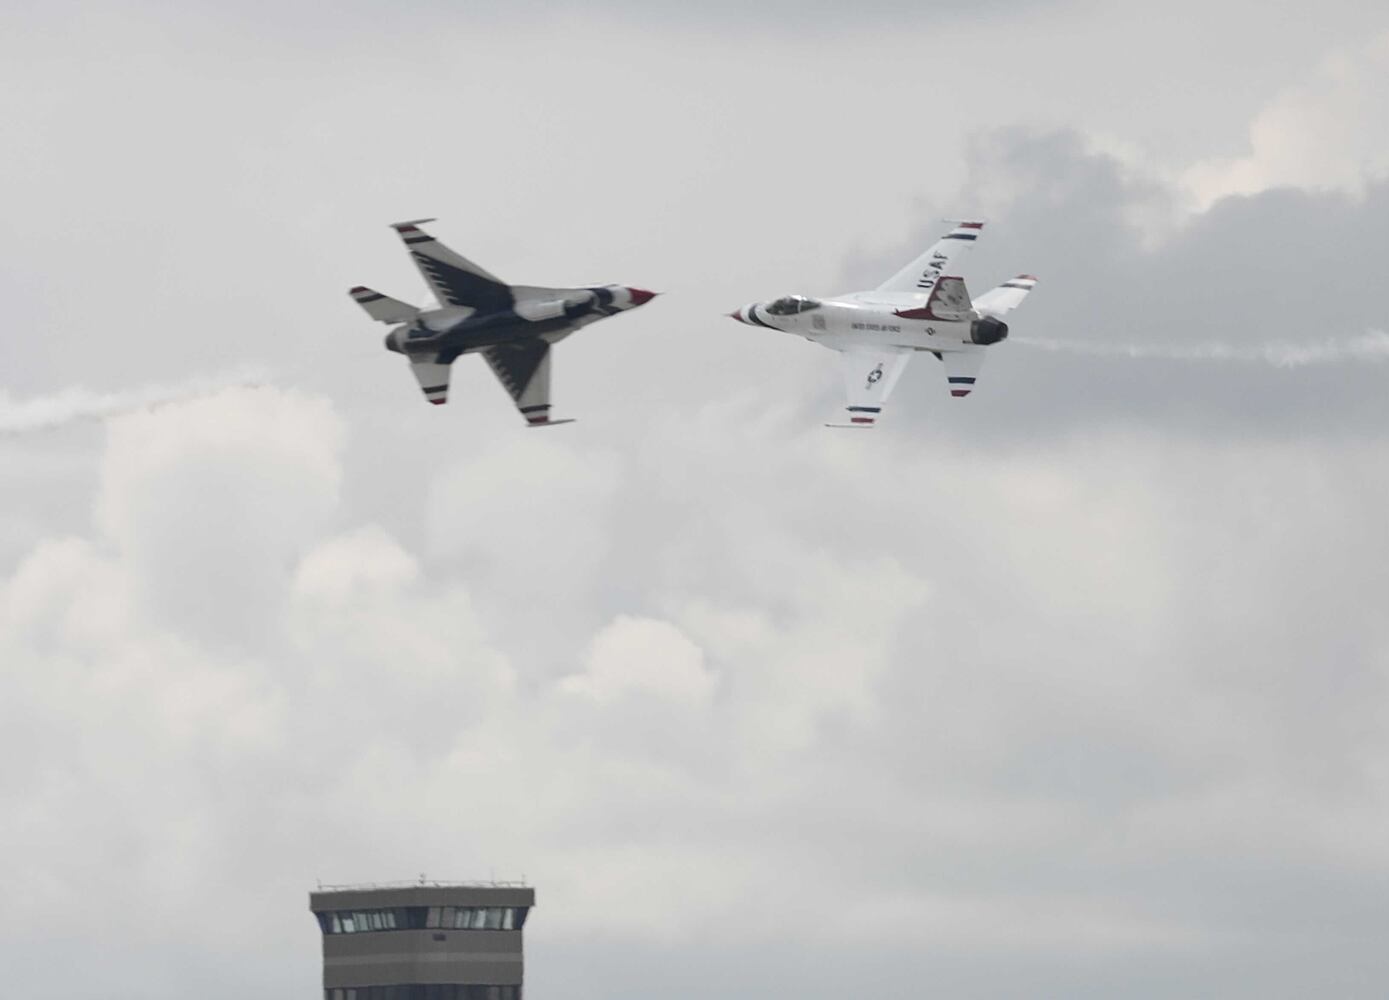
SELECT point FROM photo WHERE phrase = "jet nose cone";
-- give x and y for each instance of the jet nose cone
(736, 314)
(640, 296)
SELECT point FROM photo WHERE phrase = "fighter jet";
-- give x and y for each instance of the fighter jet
(512, 326)
(922, 307)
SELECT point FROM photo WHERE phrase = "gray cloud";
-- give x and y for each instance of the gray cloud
(1074, 689)
(1162, 332)
(1116, 718)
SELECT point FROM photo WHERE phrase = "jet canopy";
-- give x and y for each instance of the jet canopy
(791, 304)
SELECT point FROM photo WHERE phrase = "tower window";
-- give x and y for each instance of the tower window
(473, 918)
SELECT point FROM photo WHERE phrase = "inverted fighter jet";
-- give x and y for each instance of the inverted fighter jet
(920, 308)
(512, 326)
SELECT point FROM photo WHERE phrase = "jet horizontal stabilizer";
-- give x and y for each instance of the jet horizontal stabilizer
(383, 308)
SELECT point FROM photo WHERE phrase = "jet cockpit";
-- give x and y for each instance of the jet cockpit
(790, 305)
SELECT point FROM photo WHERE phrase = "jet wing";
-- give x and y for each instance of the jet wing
(455, 280)
(433, 378)
(962, 369)
(921, 274)
(523, 367)
(869, 377)
(1006, 297)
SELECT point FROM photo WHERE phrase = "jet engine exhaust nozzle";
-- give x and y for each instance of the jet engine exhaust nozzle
(988, 331)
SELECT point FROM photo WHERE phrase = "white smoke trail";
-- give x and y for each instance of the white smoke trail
(74, 404)
(1372, 346)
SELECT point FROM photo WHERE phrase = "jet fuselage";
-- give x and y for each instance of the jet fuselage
(872, 320)
(456, 330)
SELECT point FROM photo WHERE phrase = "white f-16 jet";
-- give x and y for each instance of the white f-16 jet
(923, 307)
(512, 326)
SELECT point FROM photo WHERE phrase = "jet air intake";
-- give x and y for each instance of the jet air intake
(988, 331)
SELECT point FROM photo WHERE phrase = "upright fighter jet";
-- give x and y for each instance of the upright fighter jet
(512, 326)
(920, 308)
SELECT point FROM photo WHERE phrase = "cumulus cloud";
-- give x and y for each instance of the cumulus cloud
(1329, 131)
(246, 472)
(1064, 685)
(637, 657)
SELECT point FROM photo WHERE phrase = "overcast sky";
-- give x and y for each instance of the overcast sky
(1078, 687)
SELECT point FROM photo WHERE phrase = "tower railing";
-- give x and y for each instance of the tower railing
(427, 883)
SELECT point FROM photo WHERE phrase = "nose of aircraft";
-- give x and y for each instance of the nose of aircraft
(640, 296)
(738, 314)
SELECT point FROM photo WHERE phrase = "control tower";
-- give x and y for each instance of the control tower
(422, 940)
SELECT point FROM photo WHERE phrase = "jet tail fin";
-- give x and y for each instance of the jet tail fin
(383, 307)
